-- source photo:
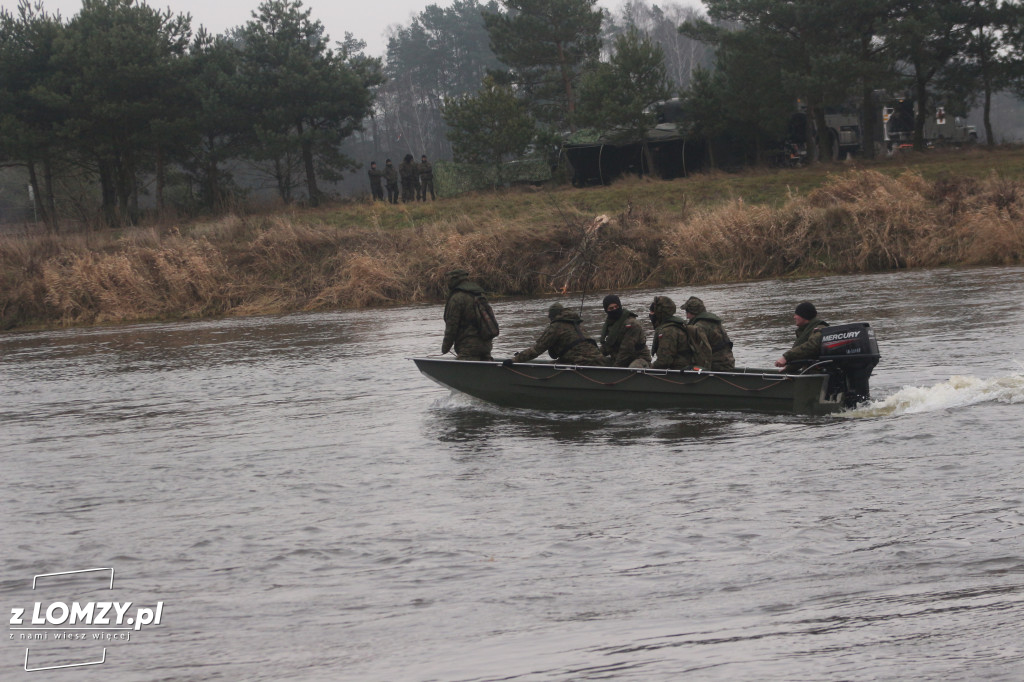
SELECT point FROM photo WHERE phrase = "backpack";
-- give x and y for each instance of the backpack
(488, 323)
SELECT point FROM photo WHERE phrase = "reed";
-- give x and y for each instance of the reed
(516, 243)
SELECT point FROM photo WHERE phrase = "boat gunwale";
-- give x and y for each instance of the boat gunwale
(757, 372)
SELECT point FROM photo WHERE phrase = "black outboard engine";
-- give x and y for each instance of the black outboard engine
(849, 353)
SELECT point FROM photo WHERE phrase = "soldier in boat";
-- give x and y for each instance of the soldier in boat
(623, 339)
(564, 341)
(808, 338)
(710, 325)
(676, 344)
(462, 326)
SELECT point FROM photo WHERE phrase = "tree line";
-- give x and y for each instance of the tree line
(827, 53)
(122, 92)
(129, 100)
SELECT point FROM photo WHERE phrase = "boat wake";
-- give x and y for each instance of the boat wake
(457, 402)
(957, 391)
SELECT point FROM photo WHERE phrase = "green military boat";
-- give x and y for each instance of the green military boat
(570, 388)
(836, 380)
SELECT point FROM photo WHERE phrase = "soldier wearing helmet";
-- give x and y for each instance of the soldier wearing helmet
(676, 345)
(564, 340)
(711, 326)
(461, 321)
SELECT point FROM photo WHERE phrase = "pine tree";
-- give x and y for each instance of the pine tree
(547, 45)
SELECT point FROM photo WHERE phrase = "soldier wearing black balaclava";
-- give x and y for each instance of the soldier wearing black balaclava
(623, 340)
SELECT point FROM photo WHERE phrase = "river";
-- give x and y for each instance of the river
(304, 505)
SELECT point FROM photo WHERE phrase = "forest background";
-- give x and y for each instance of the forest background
(122, 115)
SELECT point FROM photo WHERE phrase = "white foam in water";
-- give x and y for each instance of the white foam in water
(957, 391)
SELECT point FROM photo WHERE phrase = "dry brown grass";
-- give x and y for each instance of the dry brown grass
(514, 244)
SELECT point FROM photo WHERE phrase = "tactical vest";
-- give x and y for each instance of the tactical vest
(675, 322)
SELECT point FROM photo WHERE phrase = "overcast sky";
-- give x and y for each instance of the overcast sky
(365, 20)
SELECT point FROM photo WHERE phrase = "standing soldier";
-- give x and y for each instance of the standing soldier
(426, 179)
(564, 341)
(462, 327)
(675, 344)
(375, 178)
(410, 179)
(391, 179)
(721, 347)
(623, 341)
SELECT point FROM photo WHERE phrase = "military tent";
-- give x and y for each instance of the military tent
(600, 158)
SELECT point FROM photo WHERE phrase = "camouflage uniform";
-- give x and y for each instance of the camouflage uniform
(711, 325)
(391, 179)
(808, 341)
(376, 175)
(461, 323)
(410, 182)
(426, 172)
(564, 341)
(676, 344)
(624, 341)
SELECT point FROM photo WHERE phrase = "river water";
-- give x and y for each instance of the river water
(305, 505)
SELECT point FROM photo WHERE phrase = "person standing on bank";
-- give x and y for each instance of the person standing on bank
(409, 174)
(391, 180)
(376, 175)
(461, 319)
(808, 338)
(623, 340)
(699, 318)
(564, 341)
(676, 345)
(426, 172)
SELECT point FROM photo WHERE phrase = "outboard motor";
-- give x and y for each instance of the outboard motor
(849, 353)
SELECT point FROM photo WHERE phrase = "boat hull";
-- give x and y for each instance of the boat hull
(568, 388)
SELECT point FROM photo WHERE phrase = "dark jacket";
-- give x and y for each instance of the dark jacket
(408, 172)
(375, 177)
(391, 176)
(624, 340)
(564, 341)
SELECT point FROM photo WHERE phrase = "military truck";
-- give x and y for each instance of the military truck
(894, 125)
(940, 129)
(844, 135)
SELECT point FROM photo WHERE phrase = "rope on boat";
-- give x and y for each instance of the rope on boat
(714, 376)
(629, 376)
(574, 371)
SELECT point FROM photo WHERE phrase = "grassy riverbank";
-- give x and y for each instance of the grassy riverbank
(944, 208)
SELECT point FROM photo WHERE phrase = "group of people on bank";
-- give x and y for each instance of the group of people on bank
(698, 341)
(416, 180)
